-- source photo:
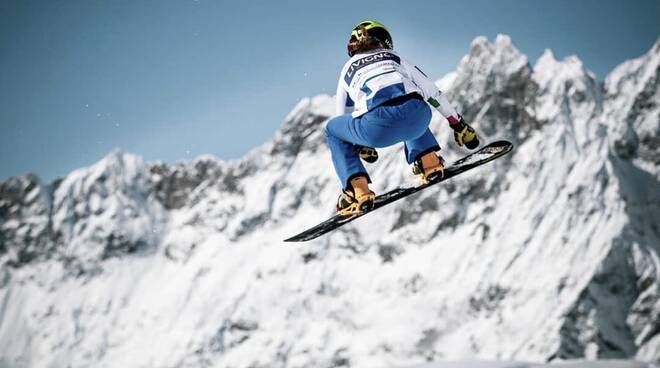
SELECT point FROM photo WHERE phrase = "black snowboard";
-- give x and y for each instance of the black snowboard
(483, 155)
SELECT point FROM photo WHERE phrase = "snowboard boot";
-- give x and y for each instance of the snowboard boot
(464, 134)
(357, 199)
(368, 154)
(429, 167)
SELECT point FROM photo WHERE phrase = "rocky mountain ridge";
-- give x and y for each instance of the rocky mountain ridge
(551, 253)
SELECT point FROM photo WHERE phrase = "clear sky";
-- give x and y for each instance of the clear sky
(170, 80)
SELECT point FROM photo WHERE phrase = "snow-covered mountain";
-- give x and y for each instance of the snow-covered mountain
(550, 253)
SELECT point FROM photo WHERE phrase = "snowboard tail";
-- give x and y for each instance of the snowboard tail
(484, 155)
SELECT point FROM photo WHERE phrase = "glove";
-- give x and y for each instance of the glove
(464, 134)
(368, 154)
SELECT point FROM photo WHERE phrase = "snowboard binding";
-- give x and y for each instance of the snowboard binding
(368, 154)
(429, 173)
(349, 204)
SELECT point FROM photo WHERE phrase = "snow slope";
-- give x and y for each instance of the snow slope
(613, 363)
(572, 364)
(551, 253)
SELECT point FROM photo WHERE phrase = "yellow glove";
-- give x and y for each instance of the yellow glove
(464, 134)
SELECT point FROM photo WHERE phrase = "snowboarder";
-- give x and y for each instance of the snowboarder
(389, 98)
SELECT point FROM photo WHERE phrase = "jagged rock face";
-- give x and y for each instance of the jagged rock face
(551, 252)
(24, 221)
(495, 87)
(633, 92)
(105, 211)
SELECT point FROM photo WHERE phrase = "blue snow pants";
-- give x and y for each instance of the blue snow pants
(383, 126)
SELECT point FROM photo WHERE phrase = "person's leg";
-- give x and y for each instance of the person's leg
(421, 150)
(417, 147)
(415, 116)
(421, 153)
(342, 135)
(381, 127)
(345, 158)
(378, 128)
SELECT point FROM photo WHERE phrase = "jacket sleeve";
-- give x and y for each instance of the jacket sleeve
(431, 93)
(343, 102)
(340, 100)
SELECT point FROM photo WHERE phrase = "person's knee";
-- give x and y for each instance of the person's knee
(327, 129)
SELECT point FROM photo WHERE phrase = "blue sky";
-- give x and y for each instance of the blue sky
(170, 80)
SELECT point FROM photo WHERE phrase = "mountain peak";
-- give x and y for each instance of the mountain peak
(479, 41)
(501, 45)
(117, 169)
(118, 161)
(503, 40)
(547, 68)
(547, 57)
(655, 49)
(566, 88)
(633, 93)
(321, 104)
(631, 71)
(500, 56)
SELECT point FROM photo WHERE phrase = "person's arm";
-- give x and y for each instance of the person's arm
(340, 100)
(463, 132)
(345, 105)
(343, 102)
(440, 102)
(432, 94)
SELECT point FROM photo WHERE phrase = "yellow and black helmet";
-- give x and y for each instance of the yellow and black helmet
(369, 29)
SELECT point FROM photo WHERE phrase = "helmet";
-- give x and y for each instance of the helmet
(369, 30)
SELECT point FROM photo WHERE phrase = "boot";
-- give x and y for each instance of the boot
(357, 198)
(429, 167)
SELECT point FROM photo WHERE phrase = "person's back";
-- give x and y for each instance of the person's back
(388, 96)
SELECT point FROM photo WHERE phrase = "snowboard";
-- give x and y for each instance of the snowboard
(485, 154)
